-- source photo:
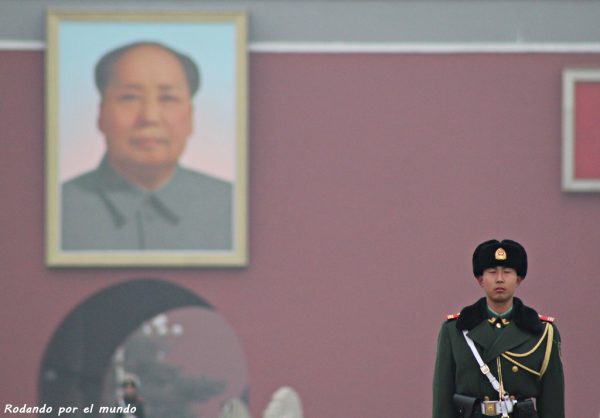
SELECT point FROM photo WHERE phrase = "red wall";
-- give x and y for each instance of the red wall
(373, 177)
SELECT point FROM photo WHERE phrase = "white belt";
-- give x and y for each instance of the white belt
(482, 366)
(491, 408)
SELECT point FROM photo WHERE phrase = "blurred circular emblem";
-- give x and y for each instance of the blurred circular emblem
(500, 254)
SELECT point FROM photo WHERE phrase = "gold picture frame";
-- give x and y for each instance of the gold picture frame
(142, 170)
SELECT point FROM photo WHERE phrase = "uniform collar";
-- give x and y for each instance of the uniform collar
(123, 199)
(493, 343)
(523, 316)
(505, 315)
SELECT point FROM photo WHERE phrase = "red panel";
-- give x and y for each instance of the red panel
(587, 130)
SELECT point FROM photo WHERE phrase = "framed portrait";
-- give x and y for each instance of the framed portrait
(581, 130)
(146, 139)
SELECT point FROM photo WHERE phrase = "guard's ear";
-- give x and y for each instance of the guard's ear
(480, 280)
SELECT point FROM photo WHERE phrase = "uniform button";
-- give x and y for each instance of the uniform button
(515, 369)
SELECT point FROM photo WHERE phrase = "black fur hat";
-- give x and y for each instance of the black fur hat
(505, 253)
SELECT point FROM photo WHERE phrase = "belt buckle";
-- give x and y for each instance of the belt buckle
(489, 408)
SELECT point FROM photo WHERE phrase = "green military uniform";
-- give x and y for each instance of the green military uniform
(522, 351)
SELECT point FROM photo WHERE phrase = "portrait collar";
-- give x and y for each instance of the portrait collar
(124, 199)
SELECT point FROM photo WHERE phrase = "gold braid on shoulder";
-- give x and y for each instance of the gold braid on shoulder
(549, 335)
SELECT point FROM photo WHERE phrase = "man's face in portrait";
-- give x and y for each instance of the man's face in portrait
(499, 283)
(146, 110)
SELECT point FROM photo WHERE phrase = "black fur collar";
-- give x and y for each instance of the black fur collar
(524, 317)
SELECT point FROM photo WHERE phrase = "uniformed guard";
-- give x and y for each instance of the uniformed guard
(498, 357)
(129, 399)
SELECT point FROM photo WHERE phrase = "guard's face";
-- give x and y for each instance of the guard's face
(146, 112)
(499, 283)
(129, 390)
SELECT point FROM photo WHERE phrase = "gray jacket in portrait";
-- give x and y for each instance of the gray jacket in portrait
(102, 211)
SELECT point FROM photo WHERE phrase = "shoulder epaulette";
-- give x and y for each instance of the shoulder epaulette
(451, 317)
(545, 318)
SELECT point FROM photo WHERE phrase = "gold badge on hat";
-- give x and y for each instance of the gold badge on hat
(500, 254)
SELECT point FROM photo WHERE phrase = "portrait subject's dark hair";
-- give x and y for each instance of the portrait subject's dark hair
(104, 67)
